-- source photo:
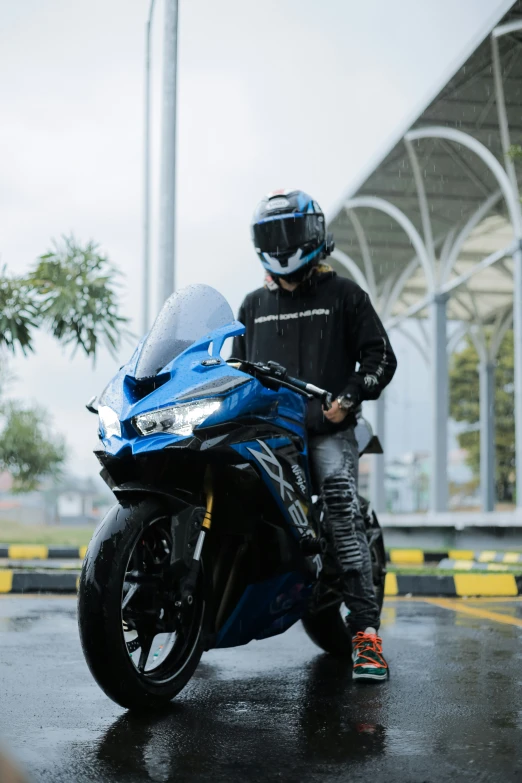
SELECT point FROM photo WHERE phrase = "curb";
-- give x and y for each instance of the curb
(457, 585)
(41, 552)
(472, 565)
(486, 584)
(12, 581)
(419, 557)
(395, 556)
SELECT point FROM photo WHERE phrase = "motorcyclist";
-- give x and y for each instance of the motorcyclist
(320, 327)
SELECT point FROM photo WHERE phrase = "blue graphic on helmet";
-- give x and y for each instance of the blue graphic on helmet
(288, 231)
(273, 264)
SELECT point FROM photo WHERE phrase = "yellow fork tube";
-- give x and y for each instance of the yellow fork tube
(209, 492)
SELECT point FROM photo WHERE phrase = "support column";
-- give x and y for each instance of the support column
(168, 153)
(146, 179)
(516, 219)
(439, 459)
(487, 435)
(378, 473)
(517, 343)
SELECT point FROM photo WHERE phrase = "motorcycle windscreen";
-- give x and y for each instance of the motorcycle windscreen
(187, 316)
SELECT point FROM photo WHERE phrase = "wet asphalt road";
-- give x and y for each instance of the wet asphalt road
(277, 710)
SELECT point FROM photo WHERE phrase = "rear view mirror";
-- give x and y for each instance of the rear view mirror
(91, 405)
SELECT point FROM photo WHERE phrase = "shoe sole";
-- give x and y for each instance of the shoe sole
(370, 677)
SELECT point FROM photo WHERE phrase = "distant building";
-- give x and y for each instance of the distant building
(81, 502)
(407, 482)
(74, 501)
(408, 479)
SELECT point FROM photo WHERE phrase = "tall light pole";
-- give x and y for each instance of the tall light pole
(146, 179)
(168, 153)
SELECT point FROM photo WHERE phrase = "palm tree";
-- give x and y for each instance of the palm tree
(18, 313)
(72, 292)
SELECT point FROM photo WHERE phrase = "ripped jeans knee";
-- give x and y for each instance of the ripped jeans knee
(343, 509)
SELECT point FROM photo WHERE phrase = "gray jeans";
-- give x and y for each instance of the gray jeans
(335, 458)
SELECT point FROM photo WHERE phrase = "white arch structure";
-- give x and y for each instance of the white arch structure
(439, 499)
(426, 259)
(352, 268)
(436, 258)
(381, 205)
(365, 252)
(457, 244)
(439, 286)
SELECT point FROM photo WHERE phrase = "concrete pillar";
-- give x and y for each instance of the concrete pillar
(517, 342)
(439, 460)
(515, 210)
(146, 178)
(487, 435)
(378, 493)
(167, 201)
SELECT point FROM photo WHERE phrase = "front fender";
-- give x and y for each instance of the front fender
(112, 540)
(115, 537)
(131, 490)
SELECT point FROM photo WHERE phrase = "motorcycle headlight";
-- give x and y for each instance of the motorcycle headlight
(109, 421)
(177, 420)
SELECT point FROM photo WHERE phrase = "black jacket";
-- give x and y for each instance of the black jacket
(319, 332)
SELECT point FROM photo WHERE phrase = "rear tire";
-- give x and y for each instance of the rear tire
(328, 630)
(378, 556)
(100, 614)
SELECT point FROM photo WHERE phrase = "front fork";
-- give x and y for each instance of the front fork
(192, 577)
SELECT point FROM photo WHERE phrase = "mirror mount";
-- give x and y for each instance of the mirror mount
(91, 405)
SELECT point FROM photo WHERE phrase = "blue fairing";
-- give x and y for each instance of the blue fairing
(265, 609)
(184, 375)
(271, 606)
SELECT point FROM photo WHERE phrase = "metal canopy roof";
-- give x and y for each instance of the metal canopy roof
(448, 193)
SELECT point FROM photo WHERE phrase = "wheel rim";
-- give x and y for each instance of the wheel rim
(160, 631)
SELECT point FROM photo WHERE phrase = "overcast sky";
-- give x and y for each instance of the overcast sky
(279, 93)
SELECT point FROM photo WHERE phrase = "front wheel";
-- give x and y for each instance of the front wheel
(142, 642)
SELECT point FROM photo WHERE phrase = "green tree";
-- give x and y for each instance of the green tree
(515, 152)
(28, 448)
(71, 291)
(465, 408)
(18, 313)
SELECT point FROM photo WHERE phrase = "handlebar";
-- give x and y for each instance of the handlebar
(276, 372)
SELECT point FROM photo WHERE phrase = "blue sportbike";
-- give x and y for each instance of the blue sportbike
(216, 538)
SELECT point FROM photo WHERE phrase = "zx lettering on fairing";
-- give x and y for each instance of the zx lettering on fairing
(273, 467)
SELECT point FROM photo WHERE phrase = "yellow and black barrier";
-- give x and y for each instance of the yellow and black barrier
(473, 565)
(420, 557)
(395, 556)
(397, 584)
(14, 581)
(41, 552)
(454, 585)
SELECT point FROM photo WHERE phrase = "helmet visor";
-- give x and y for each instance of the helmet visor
(281, 235)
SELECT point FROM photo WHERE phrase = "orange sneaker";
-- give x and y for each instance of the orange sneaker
(368, 660)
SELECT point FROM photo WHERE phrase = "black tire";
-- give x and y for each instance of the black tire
(329, 631)
(378, 556)
(100, 613)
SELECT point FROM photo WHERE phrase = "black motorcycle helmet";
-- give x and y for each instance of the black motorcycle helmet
(289, 234)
